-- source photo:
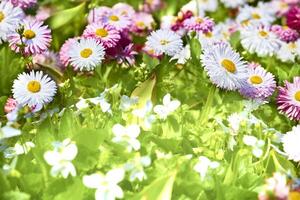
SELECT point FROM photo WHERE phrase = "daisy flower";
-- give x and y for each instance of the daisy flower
(289, 51)
(288, 99)
(164, 41)
(142, 22)
(285, 33)
(64, 51)
(24, 4)
(33, 89)
(254, 15)
(208, 5)
(260, 84)
(105, 34)
(10, 17)
(233, 3)
(124, 9)
(86, 54)
(260, 40)
(117, 19)
(36, 38)
(150, 6)
(224, 66)
(96, 14)
(280, 7)
(290, 142)
(199, 24)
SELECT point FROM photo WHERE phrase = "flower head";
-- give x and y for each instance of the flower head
(86, 54)
(64, 51)
(288, 99)
(106, 185)
(164, 41)
(127, 136)
(260, 40)
(142, 22)
(285, 33)
(10, 17)
(105, 34)
(293, 18)
(224, 66)
(260, 84)
(33, 89)
(117, 19)
(60, 158)
(204, 164)
(290, 142)
(288, 52)
(24, 4)
(136, 167)
(199, 24)
(167, 107)
(36, 37)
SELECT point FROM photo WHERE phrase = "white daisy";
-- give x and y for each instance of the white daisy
(86, 54)
(260, 40)
(233, 3)
(164, 41)
(183, 55)
(10, 17)
(290, 142)
(33, 89)
(254, 15)
(224, 66)
(289, 51)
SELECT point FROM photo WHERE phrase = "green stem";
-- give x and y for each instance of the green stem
(207, 106)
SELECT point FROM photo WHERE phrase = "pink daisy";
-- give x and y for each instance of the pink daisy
(96, 14)
(142, 22)
(10, 105)
(151, 5)
(199, 24)
(36, 37)
(124, 9)
(106, 34)
(48, 58)
(285, 33)
(64, 51)
(288, 99)
(293, 18)
(24, 4)
(260, 84)
(117, 19)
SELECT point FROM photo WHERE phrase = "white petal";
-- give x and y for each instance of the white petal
(115, 175)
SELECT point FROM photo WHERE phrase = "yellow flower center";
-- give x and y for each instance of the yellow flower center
(208, 34)
(29, 34)
(256, 16)
(140, 24)
(199, 20)
(256, 80)
(85, 53)
(228, 65)
(245, 22)
(292, 45)
(34, 86)
(297, 96)
(164, 42)
(1, 16)
(114, 18)
(263, 33)
(294, 195)
(101, 32)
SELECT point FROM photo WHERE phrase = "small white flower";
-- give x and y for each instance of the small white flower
(167, 108)
(106, 185)
(60, 158)
(145, 114)
(8, 131)
(183, 55)
(86, 54)
(18, 149)
(233, 3)
(127, 136)
(127, 102)
(256, 145)
(204, 164)
(33, 89)
(234, 121)
(290, 142)
(164, 41)
(289, 51)
(136, 167)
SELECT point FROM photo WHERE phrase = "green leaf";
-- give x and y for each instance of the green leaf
(160, 189)
(13, 195)
(144, 91)
(64, 17)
